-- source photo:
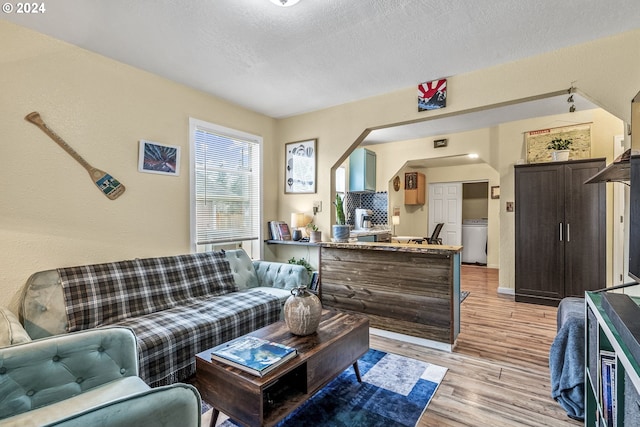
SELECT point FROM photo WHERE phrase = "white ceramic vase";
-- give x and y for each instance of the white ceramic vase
(302, 311)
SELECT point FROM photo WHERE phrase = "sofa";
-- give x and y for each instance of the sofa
(177, 306)
(86, 378)
(566, 357)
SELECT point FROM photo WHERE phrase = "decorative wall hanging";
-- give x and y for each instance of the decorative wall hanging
(109, 186)
(154, 157)
(537, 142)
(495, 192)
(300, 166)
(438, 143)
(432, 95)
(396, 183)
(411, 180)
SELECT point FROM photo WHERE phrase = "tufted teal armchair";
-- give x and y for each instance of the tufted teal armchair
(87, 378)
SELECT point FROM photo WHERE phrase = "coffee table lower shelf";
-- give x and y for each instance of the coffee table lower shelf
(340, 341)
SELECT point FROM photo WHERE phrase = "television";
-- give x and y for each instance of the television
(634, 220)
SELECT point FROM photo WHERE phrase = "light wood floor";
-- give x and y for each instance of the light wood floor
(498, 372)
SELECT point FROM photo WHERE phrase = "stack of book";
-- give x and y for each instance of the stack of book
(253, 355)
(279, 230)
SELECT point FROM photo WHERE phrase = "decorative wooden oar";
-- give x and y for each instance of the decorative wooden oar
(110, 186)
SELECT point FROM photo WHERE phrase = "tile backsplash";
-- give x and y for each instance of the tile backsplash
(377, 202)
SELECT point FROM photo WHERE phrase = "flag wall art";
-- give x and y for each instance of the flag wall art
(432, 95)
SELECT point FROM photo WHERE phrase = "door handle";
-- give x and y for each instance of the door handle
(560, 230)
(568, 235)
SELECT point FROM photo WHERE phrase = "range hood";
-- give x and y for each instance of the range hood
(618, 171)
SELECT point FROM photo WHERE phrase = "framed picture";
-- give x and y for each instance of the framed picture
(300, 166)
(495, 192)
(410, 180)
(537, 141)
(432, 95)
(154, 157)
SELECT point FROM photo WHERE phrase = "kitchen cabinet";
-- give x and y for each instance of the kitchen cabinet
(560, 231)
(362, 170)
(414, 188)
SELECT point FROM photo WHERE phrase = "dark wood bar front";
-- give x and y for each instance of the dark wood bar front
(408, 289)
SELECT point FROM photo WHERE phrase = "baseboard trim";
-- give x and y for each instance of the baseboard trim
(411, 339)
(506, 291)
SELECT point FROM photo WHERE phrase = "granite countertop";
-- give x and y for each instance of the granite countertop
(368, 232)
(396, 247)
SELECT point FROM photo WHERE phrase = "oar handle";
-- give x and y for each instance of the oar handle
(37, 120)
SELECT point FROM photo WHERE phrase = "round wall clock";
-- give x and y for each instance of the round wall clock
(396, 183)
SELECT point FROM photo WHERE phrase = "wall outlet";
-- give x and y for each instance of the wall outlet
(509, 206)
(317, 206)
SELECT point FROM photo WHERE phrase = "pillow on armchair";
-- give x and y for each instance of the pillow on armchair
(11, 331)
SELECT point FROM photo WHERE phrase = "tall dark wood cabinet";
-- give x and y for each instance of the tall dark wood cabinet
(560, 231)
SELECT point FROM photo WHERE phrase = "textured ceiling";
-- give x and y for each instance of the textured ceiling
(320, 53)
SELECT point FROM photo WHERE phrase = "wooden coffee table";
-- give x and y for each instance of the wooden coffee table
(341, 339)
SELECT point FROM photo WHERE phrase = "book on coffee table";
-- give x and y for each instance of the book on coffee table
(252, 354)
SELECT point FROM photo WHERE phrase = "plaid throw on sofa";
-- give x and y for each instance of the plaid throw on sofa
(168, 340)
(101, 294)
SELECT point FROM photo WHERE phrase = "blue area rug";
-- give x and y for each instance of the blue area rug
(394, 392)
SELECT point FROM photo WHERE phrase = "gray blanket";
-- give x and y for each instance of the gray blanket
(566, 363)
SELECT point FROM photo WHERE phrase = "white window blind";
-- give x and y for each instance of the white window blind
(225, 185)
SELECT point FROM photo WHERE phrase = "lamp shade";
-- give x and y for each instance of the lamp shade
(297, 220)
(395, 219)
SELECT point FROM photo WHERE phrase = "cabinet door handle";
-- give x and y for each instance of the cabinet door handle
(568, 235)
(560, 228)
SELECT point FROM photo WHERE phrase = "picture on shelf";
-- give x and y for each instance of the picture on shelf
(279, 230)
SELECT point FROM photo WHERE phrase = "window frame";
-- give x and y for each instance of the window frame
(255, 247)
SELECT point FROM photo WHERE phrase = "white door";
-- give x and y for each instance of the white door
(445, 205)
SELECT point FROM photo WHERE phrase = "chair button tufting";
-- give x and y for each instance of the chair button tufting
(80, 380)
(3, 370)
(31, 393)
(100, 349)
(123, 371)
(56, 358)
(43, 308)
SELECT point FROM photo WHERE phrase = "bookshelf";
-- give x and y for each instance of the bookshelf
(612, 373)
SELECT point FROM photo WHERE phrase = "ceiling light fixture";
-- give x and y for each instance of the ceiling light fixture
(284, 3)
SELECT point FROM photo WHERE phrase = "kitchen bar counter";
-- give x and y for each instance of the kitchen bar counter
(403, 288)
(395, 247)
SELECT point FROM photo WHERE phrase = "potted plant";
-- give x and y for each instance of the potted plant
(315, 235)
(560, 149)
(340, 229)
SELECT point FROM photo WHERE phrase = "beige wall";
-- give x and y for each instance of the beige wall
(51, 214)
(605, 71)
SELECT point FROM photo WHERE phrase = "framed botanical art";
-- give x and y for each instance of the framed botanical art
(300, 166)
(159, 158)
(537, 142)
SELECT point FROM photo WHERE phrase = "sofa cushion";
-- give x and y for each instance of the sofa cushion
(169, 339)
(102, 294)
(11, 331)
(242, 269)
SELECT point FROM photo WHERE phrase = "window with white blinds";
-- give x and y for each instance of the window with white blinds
(225, 185)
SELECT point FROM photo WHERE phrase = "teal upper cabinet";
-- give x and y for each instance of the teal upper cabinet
(362, 170)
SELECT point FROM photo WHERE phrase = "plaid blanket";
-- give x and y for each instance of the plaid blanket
(102, 294)
(169, 340)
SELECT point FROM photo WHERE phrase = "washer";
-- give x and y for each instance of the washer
(474, 241)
